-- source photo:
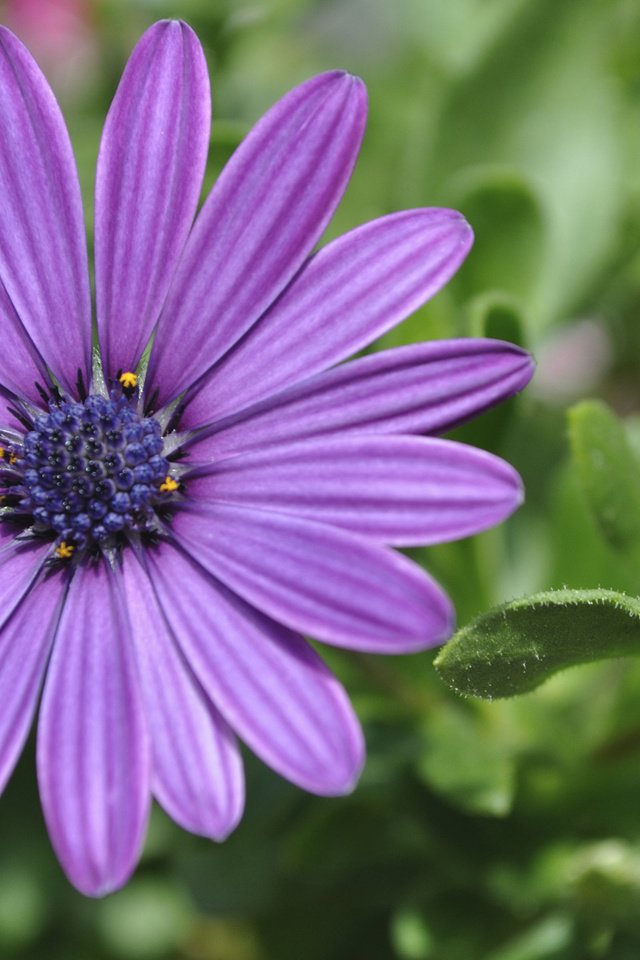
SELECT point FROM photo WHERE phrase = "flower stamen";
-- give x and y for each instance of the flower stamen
(89, 473)
(128, 380)
(64, 550)
(10, 457)
(169, 485)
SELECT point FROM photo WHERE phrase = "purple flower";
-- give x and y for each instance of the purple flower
(166, 537)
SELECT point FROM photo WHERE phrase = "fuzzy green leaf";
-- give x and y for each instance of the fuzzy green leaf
(517, 646)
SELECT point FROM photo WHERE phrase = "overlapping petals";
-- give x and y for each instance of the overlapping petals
(422, 388)
(20, 564)
(197, 771)
(317, 578)
(268, 209)
(291, 476)
(21, 366)
(354, 290)
(22, 614)
(267, 682)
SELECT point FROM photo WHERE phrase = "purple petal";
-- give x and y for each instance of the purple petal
(150, 168)
(258, 226)
(20, 363)
(25, 640)
(20, 563)
(333, 585)
(268, 683)
(6, 417)
(197, 769)
(400, 490)
(43, 257)
(26, 612)
(354, 290)
(422, 388)
(93, 766)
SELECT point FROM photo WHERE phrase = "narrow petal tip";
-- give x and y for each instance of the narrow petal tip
(460, 235)
(174, 26)
(523, 365)
(528, 368)
(508, 494)
(518, 493)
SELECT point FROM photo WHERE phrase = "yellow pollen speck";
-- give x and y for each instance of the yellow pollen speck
(64, 550)
(12, 458)
(129, 380)
(1, 452)
(169, 485)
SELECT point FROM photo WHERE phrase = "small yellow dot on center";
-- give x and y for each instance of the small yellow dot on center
(129, 380)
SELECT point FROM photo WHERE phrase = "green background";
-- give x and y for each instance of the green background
(504, 830)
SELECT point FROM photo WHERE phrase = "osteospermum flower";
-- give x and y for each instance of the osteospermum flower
(168, 535)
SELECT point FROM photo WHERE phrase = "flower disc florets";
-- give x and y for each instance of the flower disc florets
(90, 472)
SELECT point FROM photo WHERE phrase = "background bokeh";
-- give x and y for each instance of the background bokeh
(480, 831)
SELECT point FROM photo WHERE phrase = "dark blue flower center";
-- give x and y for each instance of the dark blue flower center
(92, 471)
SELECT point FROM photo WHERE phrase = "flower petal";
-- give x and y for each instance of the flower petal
(20, 363)
(93, 766)
(400, 490)
(150, 168)
(197, 768)
(7, 420)
(259, 224)
(268, 683)
(27, 609)
(351, 292)
(20, 563)
(422, 388)
(321, 581)
(25, 641)
(43, 256)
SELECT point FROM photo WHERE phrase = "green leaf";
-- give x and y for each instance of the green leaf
(517, 646)
(410, 935)
(496, 314)
(608, 473)
(553, 124)
(547, 939)
(577, 555)
(510, 230)
(481, 781)
(144, 920)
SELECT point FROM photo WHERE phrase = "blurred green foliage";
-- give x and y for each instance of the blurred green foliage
(480, 831)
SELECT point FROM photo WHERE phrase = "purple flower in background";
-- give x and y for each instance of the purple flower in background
(168, 535)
